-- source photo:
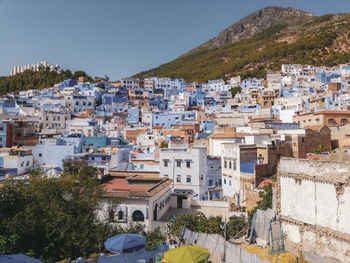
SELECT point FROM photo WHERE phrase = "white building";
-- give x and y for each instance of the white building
(130, 83)
(19, 159)
(141, 200)
(146, 118)
(86, 126)
(79, 103)
(187, 168)
(237, 162)
(167, 83)
(51, 152)
(33, 67)
(149, 83)
(217, 140)
(146, 142)
(218, 85)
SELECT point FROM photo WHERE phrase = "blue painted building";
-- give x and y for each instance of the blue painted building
(208, 126)
(67, 84)
(168, 119)
(250, 108)
(133, 115)
(214, 182)
(92, 142)
(158, 102)
(247, 167)
(326, 77)
(109, 98)
(6, 133)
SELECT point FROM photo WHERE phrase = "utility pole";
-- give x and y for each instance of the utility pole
(225, 234)
(173, 160)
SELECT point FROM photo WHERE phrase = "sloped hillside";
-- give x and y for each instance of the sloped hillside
(292, 36)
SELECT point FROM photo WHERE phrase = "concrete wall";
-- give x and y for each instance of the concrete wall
(314, 205)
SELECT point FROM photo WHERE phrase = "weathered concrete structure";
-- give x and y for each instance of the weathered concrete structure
(313, 202)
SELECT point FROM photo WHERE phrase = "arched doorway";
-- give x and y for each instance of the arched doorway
(155, 212)
(138, 216)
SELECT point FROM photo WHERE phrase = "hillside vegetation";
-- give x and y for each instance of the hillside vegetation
(303, 39)
(40, 79)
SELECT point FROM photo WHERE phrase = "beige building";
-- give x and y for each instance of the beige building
(327, 118)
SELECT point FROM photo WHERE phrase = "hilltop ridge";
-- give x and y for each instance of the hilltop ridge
(253, 24)
(264, 40)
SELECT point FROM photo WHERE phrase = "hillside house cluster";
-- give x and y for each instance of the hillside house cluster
(162, 143)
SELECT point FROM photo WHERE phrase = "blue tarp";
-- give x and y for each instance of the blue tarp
(125, 243)
(143, 254)
(18, 258)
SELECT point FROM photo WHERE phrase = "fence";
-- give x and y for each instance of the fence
(221, 251)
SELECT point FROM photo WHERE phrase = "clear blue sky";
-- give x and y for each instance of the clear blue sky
(121, 37)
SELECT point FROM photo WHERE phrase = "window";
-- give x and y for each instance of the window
(178, 163)
(225, 164)
(77, 103)
(166, 175)
(229, 165)
(138, 216)
(22, 164)
(224, 180)
(188, 179)
(229, 182)
(120, 215)
(234, 165)
(210, 182)
(331, 122)
(178, 178)
(27, 164)
(188, 164)
(165, 162)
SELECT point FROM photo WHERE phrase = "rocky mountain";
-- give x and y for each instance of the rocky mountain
(253, 24)
(263, 41)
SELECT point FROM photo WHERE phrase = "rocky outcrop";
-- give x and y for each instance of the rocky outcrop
(254, 24)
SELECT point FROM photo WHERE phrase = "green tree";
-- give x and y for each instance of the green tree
(154, 239)
(54, 218)
(235, 90)
(264, 203)
(198, 222)
(164, 144)
(235, 226)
